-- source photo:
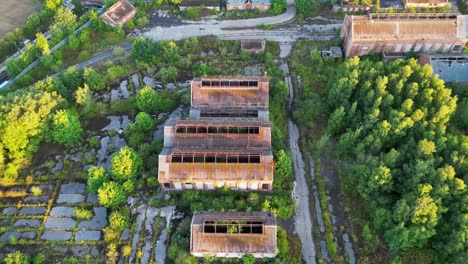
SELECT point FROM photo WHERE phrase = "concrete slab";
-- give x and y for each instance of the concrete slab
(5, 237)
(87, 235)
(36, 199)
(72, 188)
(114, 123)
(92, 198)
(63, 223)
(32, 210)
(125, 235)
(56, 235)
(148, 82)
(58, 166)
(9, 211)
(70, 198)
(62, 211)
(81, 251)
(98, 221)
(27, 223)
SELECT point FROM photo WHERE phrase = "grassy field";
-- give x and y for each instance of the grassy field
(14, 13)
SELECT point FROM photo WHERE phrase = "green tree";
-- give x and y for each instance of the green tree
(306, 7)
(147, 100)
(97, 176)
(168, 74)
(66, 128)
(125, 165)
(73, 42)
(65, 19)
(52, 4)
(111, 194)
(94, 80)
(42, 44)
(248, 259)
(283, 170)
(144, 50)
(145, 122)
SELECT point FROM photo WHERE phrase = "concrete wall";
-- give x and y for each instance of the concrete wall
(211, 185)
(359, 48)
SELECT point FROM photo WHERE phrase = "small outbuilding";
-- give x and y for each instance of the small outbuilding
(233, 234)
(119, 13)
(263, 5)
(253, 45)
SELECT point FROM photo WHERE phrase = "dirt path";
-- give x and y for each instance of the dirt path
(303, 219)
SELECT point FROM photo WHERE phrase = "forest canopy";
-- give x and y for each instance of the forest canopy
(391, 125)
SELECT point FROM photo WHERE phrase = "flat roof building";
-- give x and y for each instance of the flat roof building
(449, 67)
(119, 13)
(209, 154)
(263, 5)
(233, 234)
(404, 32)
(425, 3)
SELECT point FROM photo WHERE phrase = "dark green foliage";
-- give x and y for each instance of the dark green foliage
(248, 259)
(144, 50)
(97, 176)
(93, 79)
(277, 6)
(145, 122)
(152, 102)
(66, 128)
(395, 117)
(306, 7)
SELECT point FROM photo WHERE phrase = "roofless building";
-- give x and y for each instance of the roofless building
(227, 142)
(233, 234)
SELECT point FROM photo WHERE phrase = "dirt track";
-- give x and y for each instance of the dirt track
(13, 13)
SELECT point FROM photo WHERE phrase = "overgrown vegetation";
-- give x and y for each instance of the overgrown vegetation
(391, 122)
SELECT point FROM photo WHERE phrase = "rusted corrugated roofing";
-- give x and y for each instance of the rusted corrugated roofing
(119, 13)
(407, 26)
(233, 233)
(242, 91)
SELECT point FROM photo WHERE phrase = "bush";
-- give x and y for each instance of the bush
(119, 220)
(192, 13)
(66, 128)
(83, 214)
(97, 176)
(248, 259)
(125, 165)
(16, 258)
(111, 194)
(36, 191)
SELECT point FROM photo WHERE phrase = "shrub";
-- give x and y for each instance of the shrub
(36, 191)
(83, 214)
(125, 165)
(16, 258)
(119, 220)
(248, 259)
(66, 128)
(111, 194)
(97, 176)
(127, 250)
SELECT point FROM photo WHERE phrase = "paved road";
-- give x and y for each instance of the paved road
(303, 217)
(213, 27)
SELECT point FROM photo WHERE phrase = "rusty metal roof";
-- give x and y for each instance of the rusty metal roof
(118, 13)
(232, 232)
(244, 91)
(407, 26)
